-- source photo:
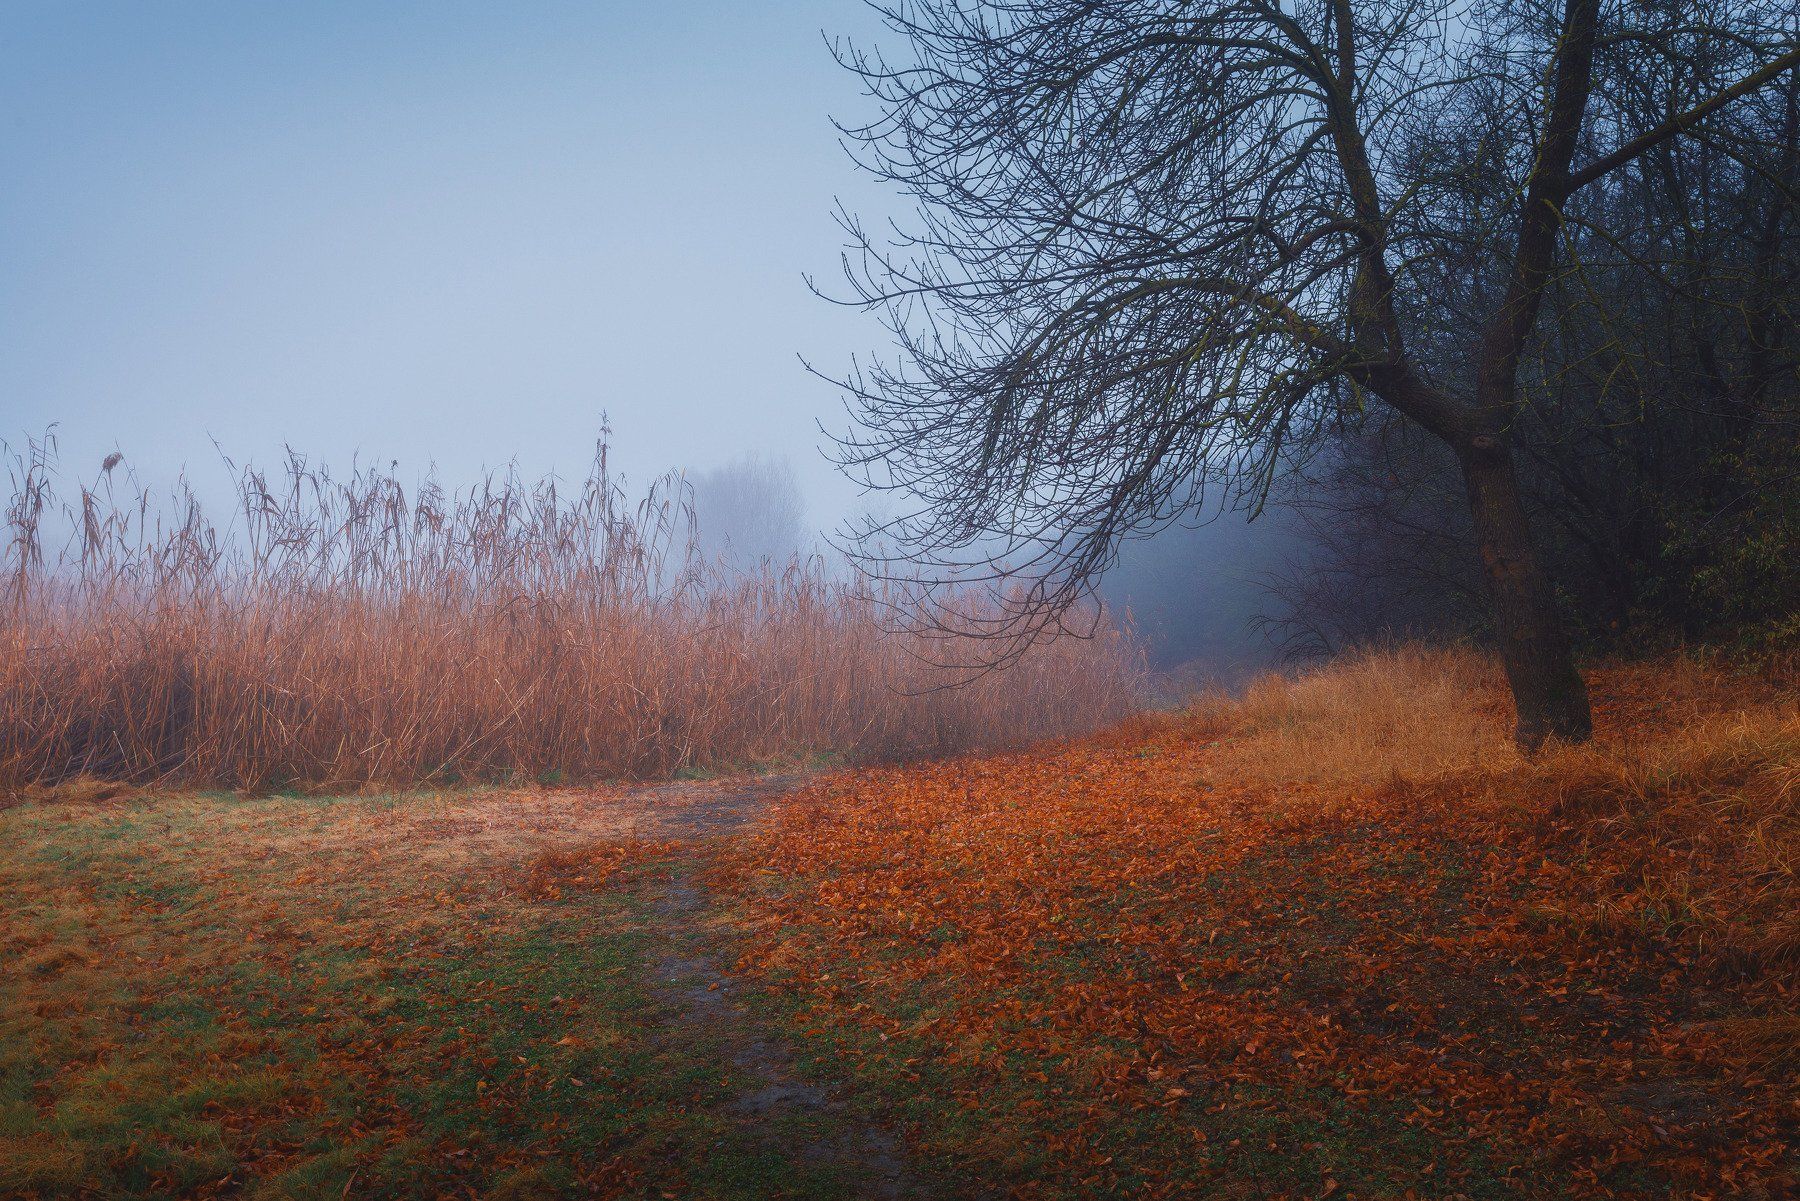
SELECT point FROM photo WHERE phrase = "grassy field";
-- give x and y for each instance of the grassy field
(1334, 939)
(405, 995)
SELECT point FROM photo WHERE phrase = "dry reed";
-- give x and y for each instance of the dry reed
(338, 633)
(1409, 710)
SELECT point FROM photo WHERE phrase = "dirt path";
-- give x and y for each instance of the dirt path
(430, 972)
(778, 1105)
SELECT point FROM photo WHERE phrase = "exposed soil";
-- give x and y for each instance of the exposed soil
(689, 979)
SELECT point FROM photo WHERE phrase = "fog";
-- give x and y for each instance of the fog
(460, 237)
(750, 511)
(1196, 593)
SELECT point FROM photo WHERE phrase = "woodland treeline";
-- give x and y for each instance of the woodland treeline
(1659, 441)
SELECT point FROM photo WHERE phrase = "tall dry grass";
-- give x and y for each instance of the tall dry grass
(352, 632)
(1366, 717)
(1683, 812)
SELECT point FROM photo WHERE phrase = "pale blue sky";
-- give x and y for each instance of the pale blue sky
(446, 232)
(452, 233)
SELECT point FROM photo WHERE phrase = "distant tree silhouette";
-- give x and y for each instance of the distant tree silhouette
(747, 511)
(1162, 247)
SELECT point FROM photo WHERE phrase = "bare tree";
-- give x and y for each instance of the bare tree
(1657, 443)
(1162, 247)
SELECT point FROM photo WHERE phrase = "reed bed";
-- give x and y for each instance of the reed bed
(336, 633)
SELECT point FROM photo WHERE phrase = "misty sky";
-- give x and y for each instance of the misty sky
(450, 233)
(433, 232)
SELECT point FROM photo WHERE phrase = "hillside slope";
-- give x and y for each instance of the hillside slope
(1336, 939)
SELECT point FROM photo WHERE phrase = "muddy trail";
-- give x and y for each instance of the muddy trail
(779, 1108)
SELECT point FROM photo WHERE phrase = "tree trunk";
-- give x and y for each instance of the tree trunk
(1548, 693)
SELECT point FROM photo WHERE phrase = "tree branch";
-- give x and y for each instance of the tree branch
(1682, 122)
(1546, 190)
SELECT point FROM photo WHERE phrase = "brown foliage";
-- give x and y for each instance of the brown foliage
(588, 866)
(1566, 975)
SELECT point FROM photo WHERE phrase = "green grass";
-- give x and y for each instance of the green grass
(277, 997)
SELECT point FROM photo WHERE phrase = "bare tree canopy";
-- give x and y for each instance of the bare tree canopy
(1163, 248)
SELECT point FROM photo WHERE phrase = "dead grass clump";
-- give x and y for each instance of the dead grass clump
(1770, 1042)
(76, 790)
(1408, 711)
(1694, 833)
(588, 867)
(341, 633)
